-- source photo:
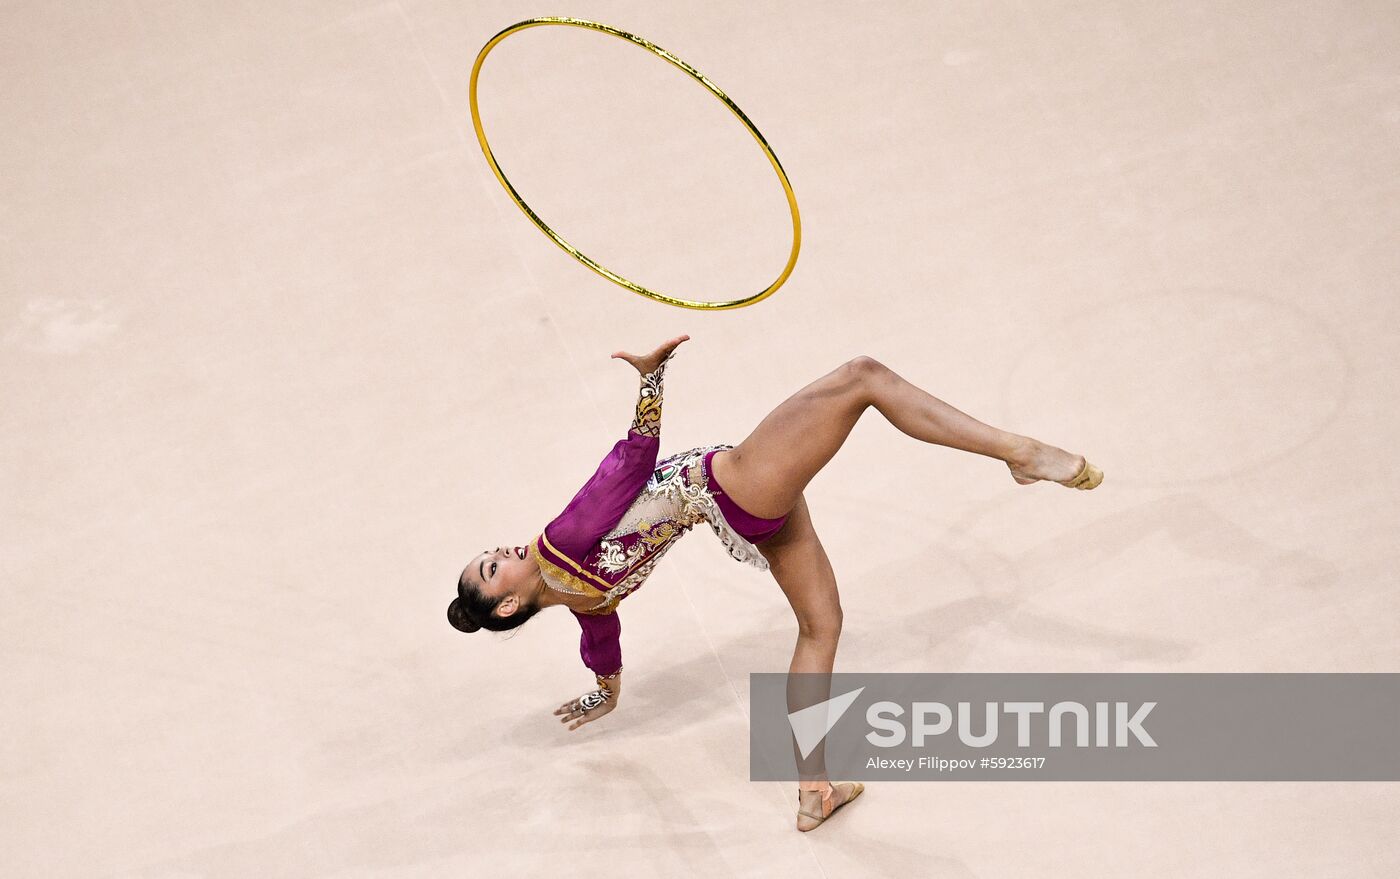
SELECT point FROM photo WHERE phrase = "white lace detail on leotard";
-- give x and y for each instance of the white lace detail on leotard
(678, 494)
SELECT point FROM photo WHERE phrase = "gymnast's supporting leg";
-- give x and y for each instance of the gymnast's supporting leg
(766, 473)
(800, 565)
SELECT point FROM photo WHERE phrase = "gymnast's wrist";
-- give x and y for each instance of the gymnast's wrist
(647, 419)
(611, 684)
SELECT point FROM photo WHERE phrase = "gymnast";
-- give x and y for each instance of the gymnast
(609, 538)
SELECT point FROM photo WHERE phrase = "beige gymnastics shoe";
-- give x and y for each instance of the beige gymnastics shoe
(1087, 478)
(855, 790)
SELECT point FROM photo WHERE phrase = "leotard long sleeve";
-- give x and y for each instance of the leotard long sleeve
(572, 552)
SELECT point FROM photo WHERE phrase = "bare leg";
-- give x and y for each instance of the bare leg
(800, 565)
(766, 473)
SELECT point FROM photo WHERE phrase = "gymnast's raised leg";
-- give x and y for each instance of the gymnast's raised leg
(766, 473)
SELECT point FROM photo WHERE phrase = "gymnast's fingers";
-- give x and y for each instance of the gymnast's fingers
(586, 718)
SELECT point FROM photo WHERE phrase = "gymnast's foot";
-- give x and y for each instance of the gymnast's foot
(814, 807)
(1031, 460)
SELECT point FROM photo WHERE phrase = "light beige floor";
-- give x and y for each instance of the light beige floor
(277, 354)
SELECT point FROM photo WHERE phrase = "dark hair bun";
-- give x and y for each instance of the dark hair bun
(457, 616)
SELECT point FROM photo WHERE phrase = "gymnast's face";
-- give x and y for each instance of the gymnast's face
(506, 572)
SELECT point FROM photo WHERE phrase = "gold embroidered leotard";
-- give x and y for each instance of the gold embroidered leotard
(609, 538)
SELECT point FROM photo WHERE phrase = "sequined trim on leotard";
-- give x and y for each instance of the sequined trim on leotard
(739, 548)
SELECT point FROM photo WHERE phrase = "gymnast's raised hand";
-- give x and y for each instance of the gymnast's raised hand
(648, 364)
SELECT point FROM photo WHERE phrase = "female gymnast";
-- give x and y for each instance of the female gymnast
(608, 539)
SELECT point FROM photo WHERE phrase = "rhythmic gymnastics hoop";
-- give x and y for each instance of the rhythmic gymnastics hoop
(575, 252)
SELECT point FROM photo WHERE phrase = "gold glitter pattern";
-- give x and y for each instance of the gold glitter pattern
(577, 582)
(647, 421)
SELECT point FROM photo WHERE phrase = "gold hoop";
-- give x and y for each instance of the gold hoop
(573, 251)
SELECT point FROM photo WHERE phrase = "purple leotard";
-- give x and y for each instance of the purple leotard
(612, 533)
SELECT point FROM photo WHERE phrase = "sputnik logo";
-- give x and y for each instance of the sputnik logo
(810, 725)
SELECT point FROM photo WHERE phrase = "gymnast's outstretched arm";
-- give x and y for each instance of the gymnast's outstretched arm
(593, 511)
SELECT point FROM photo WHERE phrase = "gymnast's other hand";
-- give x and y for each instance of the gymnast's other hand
(579, 710)
(650, 362)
